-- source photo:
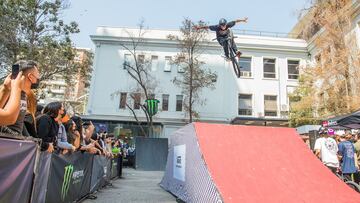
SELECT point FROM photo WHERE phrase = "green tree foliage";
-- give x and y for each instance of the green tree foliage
(33, 29)
(330, 83)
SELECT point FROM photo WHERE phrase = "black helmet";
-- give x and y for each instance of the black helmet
(322, 130)
(222, 21)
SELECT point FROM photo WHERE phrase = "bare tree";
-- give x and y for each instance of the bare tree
(138, 68)
(332, 82)
(194, 77)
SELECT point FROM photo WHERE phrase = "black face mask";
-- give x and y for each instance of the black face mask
(35, 85)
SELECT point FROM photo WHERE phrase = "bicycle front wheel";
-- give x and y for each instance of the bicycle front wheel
(353, 185)
(235, 64)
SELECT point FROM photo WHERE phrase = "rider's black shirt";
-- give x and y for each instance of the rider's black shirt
(222, 33)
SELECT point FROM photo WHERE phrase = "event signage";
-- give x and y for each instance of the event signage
(329, 123)
(66, 181)
(179, 162)
(70, 177)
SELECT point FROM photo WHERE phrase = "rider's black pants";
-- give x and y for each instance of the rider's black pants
(224, 43)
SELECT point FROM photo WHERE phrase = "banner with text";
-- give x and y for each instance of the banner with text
(70, 177)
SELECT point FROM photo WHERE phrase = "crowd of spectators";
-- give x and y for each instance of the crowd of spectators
(59, 132)
(340, 152)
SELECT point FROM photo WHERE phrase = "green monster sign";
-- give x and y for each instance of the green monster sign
(152, 106)
(66, 182)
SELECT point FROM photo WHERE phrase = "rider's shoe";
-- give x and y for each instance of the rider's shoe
(238, 53)
(227, 58)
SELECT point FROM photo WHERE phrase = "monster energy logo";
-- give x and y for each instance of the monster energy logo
(66, 182)
(152, 106)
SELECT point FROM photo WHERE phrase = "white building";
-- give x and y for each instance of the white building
(259, 97)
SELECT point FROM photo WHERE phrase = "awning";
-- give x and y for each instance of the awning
(349, 121)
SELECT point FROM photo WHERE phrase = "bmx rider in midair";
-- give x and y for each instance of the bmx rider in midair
(223, 32)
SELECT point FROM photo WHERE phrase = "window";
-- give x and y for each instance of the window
(154, 63)
(245, 64)
(179, 102)
(167, 67)
(141, 59)
(122, 100)
(269, 68)
(127, 60)
(181, 66)
(293, 69)
(270, 103)
(137, 100)
(245, 104)
(165, 102)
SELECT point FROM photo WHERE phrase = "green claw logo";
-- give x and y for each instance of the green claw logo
(66, 182)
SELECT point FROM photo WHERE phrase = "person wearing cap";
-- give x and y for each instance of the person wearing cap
(347, 157)
(326, 149)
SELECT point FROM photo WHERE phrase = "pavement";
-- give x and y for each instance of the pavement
(135, 187)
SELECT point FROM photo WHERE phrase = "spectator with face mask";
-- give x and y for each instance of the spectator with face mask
(48, 127)
(62, 142)
(73, 136)
(31, 81)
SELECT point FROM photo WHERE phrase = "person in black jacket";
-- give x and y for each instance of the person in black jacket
(47, 127)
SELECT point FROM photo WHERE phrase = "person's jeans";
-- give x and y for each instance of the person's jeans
(224, 43)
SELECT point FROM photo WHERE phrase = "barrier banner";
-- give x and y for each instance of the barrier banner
(17, 161)
(101, 172)
(41, 178)
(70, 177)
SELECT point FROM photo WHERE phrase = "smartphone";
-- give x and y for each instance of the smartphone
(15, 71)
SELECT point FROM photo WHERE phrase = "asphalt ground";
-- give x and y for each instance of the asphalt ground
(135, 186)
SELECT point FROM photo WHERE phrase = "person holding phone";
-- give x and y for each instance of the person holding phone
(31, 81)
(12, 90)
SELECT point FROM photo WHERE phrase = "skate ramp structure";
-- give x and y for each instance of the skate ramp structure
(228, 163)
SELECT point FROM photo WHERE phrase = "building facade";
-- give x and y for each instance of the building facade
(75, 95)
(259, 96)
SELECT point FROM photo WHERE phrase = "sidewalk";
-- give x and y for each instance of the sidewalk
(135, 186)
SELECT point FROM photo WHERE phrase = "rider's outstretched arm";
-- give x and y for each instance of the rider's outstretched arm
(201, 27)
(241, 20)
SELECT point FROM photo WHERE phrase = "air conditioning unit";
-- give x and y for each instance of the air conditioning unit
(284, 114)
(284, 107)
(245, 74)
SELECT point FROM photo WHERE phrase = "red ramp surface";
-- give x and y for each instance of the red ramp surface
(265, 164)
